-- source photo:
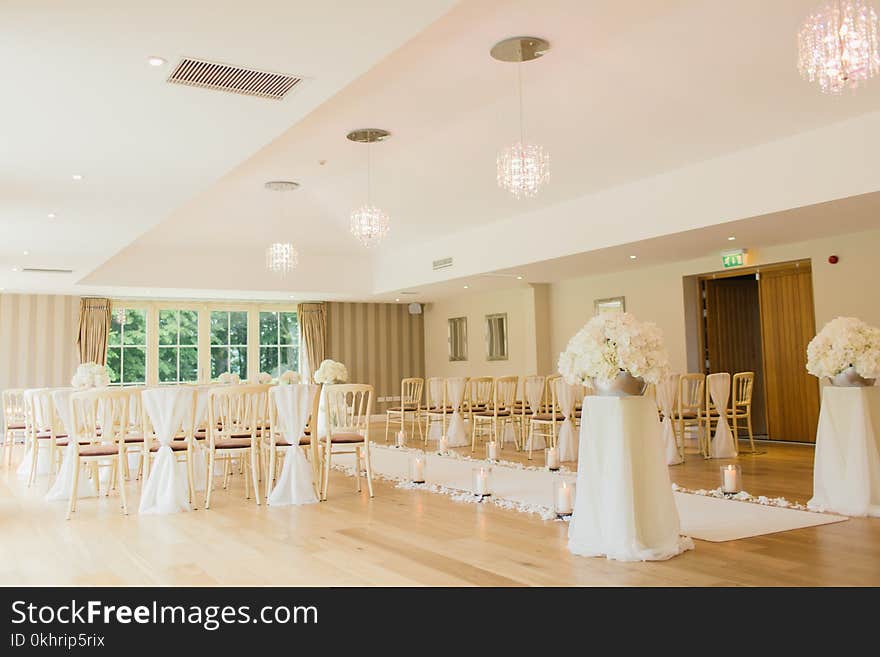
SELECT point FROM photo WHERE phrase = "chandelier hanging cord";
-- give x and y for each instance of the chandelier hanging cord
(519, 85)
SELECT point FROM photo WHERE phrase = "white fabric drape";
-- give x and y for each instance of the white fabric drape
(435, 390)
(846, 473)
(200, 452)
(722, 445)
(295, 485)
(666, 403)
(534, 390)
(566, 442)
(624, 508)
(35, 397)
(455, 432)
(170, 411)
(60, 489)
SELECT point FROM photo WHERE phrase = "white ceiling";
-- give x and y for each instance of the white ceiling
(173, 198)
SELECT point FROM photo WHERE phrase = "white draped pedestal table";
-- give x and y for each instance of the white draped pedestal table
(846, 472)
(624, 508)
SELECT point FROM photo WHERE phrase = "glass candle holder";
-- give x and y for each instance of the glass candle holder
(417, 469)
(563, 498)
(731, 478)
(482, 481)
(443, 445)
(401, 439)
(551, 458)
(492, 450)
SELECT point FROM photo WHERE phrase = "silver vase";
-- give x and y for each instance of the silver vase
(624, 385)
(849, 378)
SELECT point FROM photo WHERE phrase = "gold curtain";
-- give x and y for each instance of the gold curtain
(93, 330)
(313, 329)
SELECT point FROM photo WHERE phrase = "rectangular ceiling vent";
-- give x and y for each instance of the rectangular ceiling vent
(234, 79)
(43, 270)
(443, 263)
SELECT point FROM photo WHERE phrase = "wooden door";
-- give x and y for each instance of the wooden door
(733, 336)
(787, 326)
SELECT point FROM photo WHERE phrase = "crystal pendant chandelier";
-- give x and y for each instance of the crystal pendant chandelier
(522, 167)
(281, 257)
(369, 224)
(837, 46)
(120, 315)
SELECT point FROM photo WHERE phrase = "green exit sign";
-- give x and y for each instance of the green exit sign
(735, 258)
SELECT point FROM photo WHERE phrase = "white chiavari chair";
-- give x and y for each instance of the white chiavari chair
(43, 434)
(499, 414)
(236, 416)
(100, 423)
(410, 403)
(741, 405)
(348, 410)
(436, 407)
(14, 420)
(531, 404)
(480, 390)
(690, 409)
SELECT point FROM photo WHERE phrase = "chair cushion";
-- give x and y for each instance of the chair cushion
(548, 417)
(492, 413)
(439, 409)
(47, 435)
(15, 427)
(176, 446)
(232, 443)
(346, 438)
(99, 449)
(281, 442)
(686, 415)
(134, 439)
(407, 407)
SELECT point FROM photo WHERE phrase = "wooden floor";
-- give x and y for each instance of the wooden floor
(405, 538)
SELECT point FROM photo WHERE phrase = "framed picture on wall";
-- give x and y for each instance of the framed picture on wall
(496, 336)
(610, 305)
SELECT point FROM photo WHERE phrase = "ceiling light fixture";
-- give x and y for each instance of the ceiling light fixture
(397, 300)
(77, 176)
(281, 257)
(465, 287)
(369, 224)
(25, 252)
(120, 315)
(632, 257)
(51, 215)
(519, 278)
(731, 238)
(521, 168)
(838, 46)
(155, 61)
(16, 269)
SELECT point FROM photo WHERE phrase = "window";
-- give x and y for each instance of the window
(178, 346)
(279, 342)
(127, 348)
(229, 343)
(496, 337)
(457, 338)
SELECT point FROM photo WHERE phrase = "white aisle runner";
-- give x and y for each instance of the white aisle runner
(531, 489)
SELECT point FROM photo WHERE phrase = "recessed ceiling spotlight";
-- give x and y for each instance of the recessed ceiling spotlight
(632, 257)
(51, 215)
(397, 300)
(155, 61)
(77, 176)
(731, 238)
(25, 252)
(16, 269)
(519, 278)
(465, 287)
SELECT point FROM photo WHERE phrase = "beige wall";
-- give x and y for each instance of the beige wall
(656, 293)
(652, 293)
(379, 343)
(37, 340)
(519, 303)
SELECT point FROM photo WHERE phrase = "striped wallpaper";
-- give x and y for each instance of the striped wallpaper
(37, 340)
(379, 343)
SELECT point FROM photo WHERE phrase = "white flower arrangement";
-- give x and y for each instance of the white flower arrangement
(842, 343)
(90, 375)
(289, 377)
(229, 378)
(264, 378)
(610, 343)
(331, 371)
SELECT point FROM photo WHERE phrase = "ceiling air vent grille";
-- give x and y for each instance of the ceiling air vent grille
(235, 79)
(43, 270)
(443, 263)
